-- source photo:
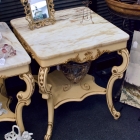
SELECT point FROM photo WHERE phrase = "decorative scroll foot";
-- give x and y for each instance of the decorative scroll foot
(117, 73)
(24, 98)
(45, 90)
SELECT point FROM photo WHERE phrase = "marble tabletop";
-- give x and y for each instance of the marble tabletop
(68, 34)
(21, 58)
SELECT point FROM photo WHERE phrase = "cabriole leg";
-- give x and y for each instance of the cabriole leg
(24, 98)
(45, 90)
(117, 73)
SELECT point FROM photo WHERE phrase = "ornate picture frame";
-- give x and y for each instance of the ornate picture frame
(37, 23)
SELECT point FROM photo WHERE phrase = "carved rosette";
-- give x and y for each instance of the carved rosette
(44, 88)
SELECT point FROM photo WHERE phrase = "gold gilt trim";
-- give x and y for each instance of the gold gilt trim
(37, 24)
(88, 56)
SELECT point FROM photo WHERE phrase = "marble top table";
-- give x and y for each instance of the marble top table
(21, 60)
(14, 65)
(72, 38)
(69, 36)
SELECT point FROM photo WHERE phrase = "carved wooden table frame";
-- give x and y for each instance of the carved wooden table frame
(48, 82)
(23, 99)
(45, 88)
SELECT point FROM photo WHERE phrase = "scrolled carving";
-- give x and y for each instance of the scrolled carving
(88, 56)
(85, 86)
(44, 88)
(99, 53)
(24, 98)
(117, 73)
(125, 54)
(115, 113)
(28, 78)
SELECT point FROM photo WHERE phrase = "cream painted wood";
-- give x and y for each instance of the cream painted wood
(63, 91)
(117, 73)
(16, 65)
(69, 40)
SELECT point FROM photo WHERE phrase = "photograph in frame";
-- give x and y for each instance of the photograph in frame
(39, 9)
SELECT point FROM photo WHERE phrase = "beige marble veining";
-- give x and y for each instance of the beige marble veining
(21, 58)
(68, 34)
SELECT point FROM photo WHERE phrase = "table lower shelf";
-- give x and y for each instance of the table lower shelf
(9, 116)
(63, 91)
